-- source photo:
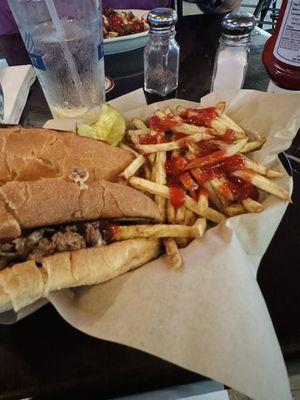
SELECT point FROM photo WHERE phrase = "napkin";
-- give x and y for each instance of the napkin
(16, 82)
(130, 101)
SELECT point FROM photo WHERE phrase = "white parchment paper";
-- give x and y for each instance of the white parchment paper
(211, 317)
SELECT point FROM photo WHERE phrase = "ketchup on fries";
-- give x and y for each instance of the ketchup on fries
(194, 163)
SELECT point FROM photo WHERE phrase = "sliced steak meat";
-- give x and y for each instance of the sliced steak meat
(24, 245)
(44, 248)
(44, 242)
(92, 234)
(7, 249)
(68, 241)
(21, 247)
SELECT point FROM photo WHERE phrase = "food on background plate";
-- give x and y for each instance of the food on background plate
(121, 23)
(31, 153)
(56, 234)
(110, 127)
(194, 163)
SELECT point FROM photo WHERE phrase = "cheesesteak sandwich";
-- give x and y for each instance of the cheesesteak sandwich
(32, 153)
(58, 232)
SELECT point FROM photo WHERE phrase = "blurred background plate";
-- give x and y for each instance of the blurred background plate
(121, 44)
(109, 84)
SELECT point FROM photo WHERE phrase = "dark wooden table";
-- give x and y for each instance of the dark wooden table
(42, 356)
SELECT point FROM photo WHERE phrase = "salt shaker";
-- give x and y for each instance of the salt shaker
(161, 54)
(233, 53)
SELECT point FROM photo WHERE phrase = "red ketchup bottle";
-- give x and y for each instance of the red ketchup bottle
(281, 54)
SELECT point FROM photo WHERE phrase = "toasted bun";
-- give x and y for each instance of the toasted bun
(54, 201)
(9, 226)
(32, 153)
(25, 283)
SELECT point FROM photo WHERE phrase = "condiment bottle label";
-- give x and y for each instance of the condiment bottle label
(287, 47)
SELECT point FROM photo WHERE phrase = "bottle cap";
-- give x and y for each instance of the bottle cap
(238, 24)
(162, 18)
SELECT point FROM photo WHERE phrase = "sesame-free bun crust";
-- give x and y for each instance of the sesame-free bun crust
(32, 153)
(37, 189)
(25, 283)
(54, 201)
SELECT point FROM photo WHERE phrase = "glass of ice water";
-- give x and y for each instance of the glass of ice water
(65, 43)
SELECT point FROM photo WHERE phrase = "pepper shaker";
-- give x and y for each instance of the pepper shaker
(161, 54)
(232, 56)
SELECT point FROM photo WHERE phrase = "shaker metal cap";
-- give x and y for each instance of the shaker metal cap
(162, 18)
(238, 24)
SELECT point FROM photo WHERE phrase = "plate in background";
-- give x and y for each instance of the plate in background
(109, 84)
(120, 44)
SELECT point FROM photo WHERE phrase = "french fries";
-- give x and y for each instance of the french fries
(195, 166)
(126, 147)
(252, 146)
(172, 251)
(263, 183)
(222, 190)
(190, 217)
(216, 156)
(180, 218)
(220, 122)
(139, 124)
(232, 125)
(180, 215)
(173, 254)
(220, 107)
(160, 177)
(178, 125)
(171, 213)
(133, 167)
(261, 169)
(176, 144)
(163, 191)
(234, 209)
(213, 197)
(161, 231)
(252, 206)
